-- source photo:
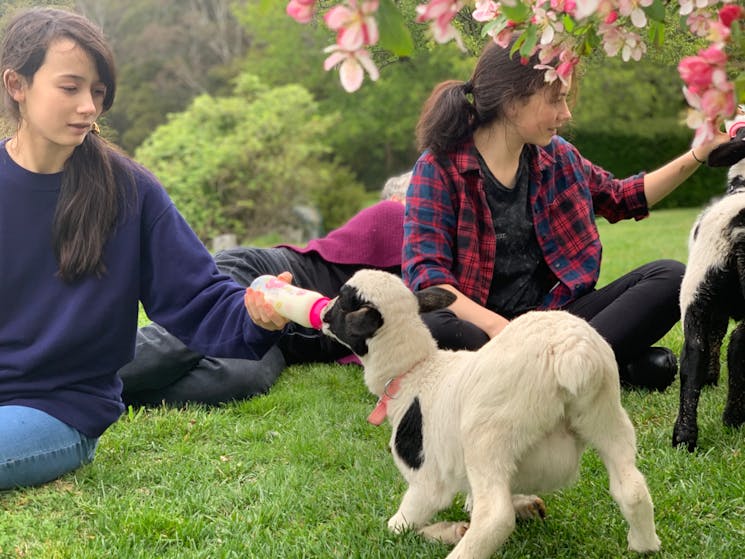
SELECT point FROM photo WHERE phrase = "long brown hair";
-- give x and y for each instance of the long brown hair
(499, 79)
(90, 200)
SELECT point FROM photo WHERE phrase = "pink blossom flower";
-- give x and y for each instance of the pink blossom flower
(633, 10)
(352, 66)
(585, 8)
(698, 24)
(486, 10)
(718, 101)
(354, 23)
(617, 39)
(705, 69)
(707, 90)
(547, 23)
(687, 6)
(503, 37)
(561, 71)
(301, 10)
(730, 13)
(564, 6)
(718, 32)
(611, 17)
(441, 13)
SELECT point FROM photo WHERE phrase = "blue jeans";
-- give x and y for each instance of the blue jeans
(36, 448)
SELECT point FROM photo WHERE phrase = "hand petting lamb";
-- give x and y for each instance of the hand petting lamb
(499, 424)
(712, 292)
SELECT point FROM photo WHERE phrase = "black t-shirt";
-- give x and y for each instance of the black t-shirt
(521, 277)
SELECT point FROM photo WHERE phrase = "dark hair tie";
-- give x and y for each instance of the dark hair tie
(468, 87)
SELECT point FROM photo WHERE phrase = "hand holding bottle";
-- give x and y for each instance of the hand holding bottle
(261, 311)
(302, 306)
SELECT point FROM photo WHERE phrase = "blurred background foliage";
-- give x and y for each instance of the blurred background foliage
(227, 102)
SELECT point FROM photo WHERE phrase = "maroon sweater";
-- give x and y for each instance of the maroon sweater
(373, 237)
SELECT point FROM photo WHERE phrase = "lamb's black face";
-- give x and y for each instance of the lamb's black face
(729, 153)
(352, 320)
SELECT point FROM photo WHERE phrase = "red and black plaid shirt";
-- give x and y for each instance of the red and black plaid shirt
(449, 236)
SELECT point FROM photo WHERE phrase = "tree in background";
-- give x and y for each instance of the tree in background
(240, 163)
(378, 141)
(168, 52)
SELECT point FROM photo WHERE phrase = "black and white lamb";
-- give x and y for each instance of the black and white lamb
(712, 292)
(497, 424)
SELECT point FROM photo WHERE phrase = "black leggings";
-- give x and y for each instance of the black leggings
(631, 313)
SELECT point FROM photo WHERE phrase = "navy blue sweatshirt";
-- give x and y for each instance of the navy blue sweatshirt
(62, 343)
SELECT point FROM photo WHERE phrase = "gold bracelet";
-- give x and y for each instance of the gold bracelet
(693, 153)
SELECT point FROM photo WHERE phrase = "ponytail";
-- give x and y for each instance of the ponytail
(447, 118)
(456, 109)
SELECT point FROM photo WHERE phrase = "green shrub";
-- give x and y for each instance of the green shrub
(239, 164)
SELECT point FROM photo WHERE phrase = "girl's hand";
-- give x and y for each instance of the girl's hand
(720, 137)
(261, 312)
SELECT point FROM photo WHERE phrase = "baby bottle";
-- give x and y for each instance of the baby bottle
(294, 303)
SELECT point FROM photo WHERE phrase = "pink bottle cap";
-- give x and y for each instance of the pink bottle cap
(737, 125)
(314, 315)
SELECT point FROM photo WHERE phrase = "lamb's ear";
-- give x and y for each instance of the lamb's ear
(726, 155)
(363, 323)
(434, 298)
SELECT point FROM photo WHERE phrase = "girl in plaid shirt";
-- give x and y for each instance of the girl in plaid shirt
(501, 211)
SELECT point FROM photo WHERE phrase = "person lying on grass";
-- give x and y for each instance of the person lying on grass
(165, 370)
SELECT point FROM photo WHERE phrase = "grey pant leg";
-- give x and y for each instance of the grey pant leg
(159, 360)
(164, 370)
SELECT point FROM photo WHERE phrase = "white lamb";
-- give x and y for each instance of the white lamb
(498, 424)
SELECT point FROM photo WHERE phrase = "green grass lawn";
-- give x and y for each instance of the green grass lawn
(299, 473)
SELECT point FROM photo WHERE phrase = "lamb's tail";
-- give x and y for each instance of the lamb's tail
(584, 361)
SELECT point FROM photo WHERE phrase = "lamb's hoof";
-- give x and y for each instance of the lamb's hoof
(445, 532)
(712, 379)
(528, 507)
(648, 545)
(685, 435)
(397, 524)
(734, 415)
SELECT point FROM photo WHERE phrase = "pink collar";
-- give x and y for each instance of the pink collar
(389, 393)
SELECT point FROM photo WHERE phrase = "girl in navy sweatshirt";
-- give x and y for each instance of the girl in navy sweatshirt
(85, 235)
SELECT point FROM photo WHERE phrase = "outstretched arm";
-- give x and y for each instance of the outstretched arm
(667, 178)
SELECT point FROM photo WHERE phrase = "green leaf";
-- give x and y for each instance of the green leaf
(394, 35)
(739, 82)
(518, 13)
(656, 11)
(568, 22)
(656, 33)
(531, 39)
(495, 26)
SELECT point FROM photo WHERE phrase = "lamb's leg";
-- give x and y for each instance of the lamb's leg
(526, 507)
(419, 504)
(701, 329)
(607, 427)
(716, 333)
(449, 533)
(492, 518)
(492, 513)
(734, 410)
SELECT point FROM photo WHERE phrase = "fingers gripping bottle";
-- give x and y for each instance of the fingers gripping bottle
(294, 303)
